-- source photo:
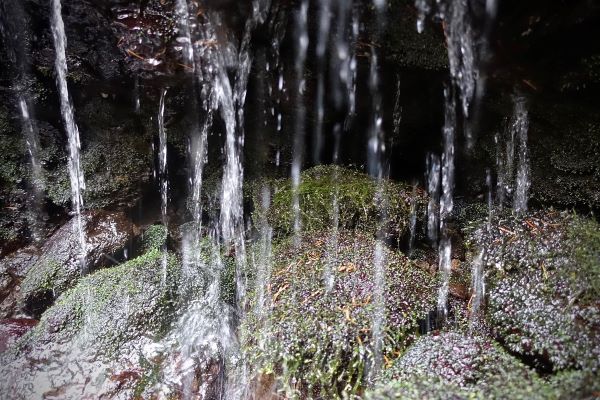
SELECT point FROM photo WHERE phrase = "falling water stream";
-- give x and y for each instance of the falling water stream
(75, 168)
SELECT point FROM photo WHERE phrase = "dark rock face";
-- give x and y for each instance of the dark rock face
(58, 267)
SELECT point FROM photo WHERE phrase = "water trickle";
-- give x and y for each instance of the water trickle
(75, 169)
(446, 201)
(477, 286)
(434, 170)
(322, 42)
(185, 37)
(298, 156)
(37, 181)
(376, 145)
(413, 220)
(163, 175)
(512, 160)
(520, 124)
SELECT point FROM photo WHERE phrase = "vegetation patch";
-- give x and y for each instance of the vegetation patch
(316, 335)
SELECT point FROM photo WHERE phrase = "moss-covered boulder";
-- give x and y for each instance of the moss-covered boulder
(543, 275)
(91, 342)
(460, 359)
(59, 268)
(314, 336)
(455, 365)
(359, 204)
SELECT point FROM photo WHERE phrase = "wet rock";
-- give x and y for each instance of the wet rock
(358, 202)
(459, 359)
(58, 267)
(543, 287)
(100, 329)
(456, 365)
(13, 269)
(12, 329)
(318, 342)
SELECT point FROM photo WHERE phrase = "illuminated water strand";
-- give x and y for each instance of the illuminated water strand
(163, 177)
(446, 202)
(75, 169)
(298, 150)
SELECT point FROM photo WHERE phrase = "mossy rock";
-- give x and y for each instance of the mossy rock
(566, 386)
(59, 267)
(543, 277)
(418, 388)
(154, 237)
(359, 205)
(100, 325)
(459, 358)
(115, 167)
(314, 334)
(456, 365)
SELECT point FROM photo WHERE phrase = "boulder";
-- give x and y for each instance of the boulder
(94, 341)
(357, 197)
(544, 287)
(59, 268)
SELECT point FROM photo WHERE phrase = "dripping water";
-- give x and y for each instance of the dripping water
(523, 179)
(37, 180)
(434, 170)
(446, 202)
(163, 177)
(301, 22)
(75, 168)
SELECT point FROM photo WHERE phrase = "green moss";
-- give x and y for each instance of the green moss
(542, 286)
(584, 237)
(317, 342)
(359, 205)
(459, 366)
(155, 237)
(110, 307)
(114, 168)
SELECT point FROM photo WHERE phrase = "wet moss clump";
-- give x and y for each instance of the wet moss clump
(458, 365)
(542, 275)
(110, 307)
(155, 237)
(312, 332)
(359, 204)
(115, 168)
(101, 324)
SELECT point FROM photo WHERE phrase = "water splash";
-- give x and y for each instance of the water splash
(75, 168)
